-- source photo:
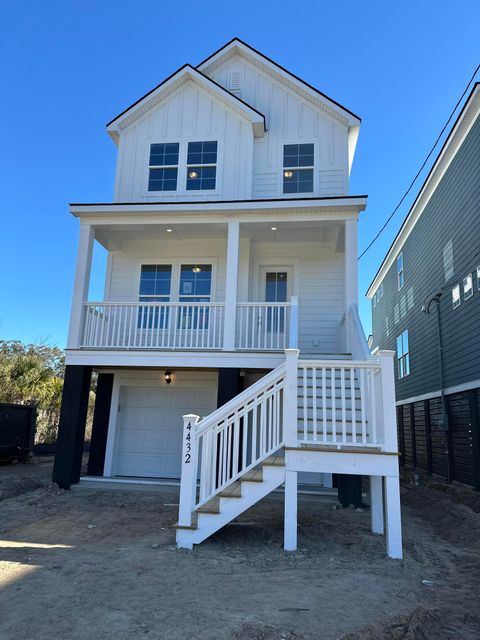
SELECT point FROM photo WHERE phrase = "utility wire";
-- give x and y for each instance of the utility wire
(422, 167)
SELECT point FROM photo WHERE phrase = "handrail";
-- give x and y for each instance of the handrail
(356, 341)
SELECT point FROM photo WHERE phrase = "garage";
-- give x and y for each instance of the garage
(150, 425)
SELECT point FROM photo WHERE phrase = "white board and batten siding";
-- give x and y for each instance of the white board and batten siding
(247, 167)
(188, 114)
(291, 119)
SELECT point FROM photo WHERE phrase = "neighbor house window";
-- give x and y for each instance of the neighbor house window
(400, 278)
(163, 166)
(380, 290)
(201, 165)
(456, 298)
(468, 287)
(478, 278)
(298, 168)
(403, 357)
(155, 283)
(448, 260)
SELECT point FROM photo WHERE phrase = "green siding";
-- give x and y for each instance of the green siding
(453, 212)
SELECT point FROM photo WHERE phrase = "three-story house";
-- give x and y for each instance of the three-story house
(228, 346)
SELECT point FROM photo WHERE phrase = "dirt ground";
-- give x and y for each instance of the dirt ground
(103, 565)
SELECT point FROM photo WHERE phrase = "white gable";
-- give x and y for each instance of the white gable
(187, 114)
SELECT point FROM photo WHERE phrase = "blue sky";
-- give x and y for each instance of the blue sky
(69, 66)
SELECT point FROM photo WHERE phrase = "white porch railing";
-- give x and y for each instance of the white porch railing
(270, 326)
(260, 326)
(230, 441)
(338, 403)
(151, 325)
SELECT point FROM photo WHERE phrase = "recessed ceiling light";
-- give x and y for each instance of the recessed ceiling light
(169, 230)
(274, 228)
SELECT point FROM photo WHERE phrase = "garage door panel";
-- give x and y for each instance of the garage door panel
(150, 427)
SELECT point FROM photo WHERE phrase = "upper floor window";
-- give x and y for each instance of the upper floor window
(201, 165)
(456, 299)
(468, 287)
(403, 355)
(163, 166)
(380, 290)
(298, 168)
(478, 278)
(400, 276)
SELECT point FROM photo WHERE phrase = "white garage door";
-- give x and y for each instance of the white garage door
(150, 426)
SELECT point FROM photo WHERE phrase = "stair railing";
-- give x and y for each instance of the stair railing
(224, 446)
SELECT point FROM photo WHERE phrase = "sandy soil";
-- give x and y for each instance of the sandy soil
(103, 565)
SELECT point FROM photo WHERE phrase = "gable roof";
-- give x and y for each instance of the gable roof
(170, 84)
(460, 129)
(236, 45)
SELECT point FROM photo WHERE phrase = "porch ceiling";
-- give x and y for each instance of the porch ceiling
(116, 237)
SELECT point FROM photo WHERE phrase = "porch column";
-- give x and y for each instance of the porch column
(290, 522)
(101, 416)
(231, 284)
(81, 283)
(376, 504)
(71, 428)
(351, 266)
(393, 517)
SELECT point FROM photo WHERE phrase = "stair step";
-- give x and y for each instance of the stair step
(212, 506)
(232, 491)
(255, 475)
(274, 461)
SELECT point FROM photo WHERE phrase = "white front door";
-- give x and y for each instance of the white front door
(150, 427)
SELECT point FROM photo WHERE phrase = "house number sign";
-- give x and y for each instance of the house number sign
(188, 445)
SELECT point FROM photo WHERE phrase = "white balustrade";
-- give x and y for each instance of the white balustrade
(263, 326)
(151, 325)
(337, 402)
(238, 436)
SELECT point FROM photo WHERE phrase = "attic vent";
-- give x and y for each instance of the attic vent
(234, 82)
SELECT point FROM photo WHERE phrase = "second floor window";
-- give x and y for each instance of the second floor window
(163, 166)
(201, 165)
(298, 165)
(403, 355)
(400, 276)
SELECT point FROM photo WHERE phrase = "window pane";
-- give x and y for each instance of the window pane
(298, 155)
(164, 153)
(155, 280)
(405, 342)
(196, 283)
(298, 181)
(201, 178)
(162, 180)
(399, 347)
(202, 152)
(407, 365)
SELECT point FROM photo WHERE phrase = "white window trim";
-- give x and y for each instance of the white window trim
(405, 357)
(163, 166)
(465, 280)
(181, 189)
(402, 272)
(284, 143)
(175, 281)
(457, 303)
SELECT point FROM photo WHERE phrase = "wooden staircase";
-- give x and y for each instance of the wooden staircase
(230, 502)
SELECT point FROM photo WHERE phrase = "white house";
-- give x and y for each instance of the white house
(228, 346)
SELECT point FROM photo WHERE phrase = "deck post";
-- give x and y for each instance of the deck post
(290, 521)
(231, 286)
(389, 417)
(393, 517)
(81, 284)
(293, 332)
(290, 397)
(188, 481)
(376, 504)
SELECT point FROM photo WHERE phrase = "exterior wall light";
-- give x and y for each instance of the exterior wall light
(168, 376)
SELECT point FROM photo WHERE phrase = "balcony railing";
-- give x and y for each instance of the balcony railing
(190, 326)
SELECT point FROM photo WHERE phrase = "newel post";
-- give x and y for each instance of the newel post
(389, 417)
(290, 397)
(293, 332)
(188, 481)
